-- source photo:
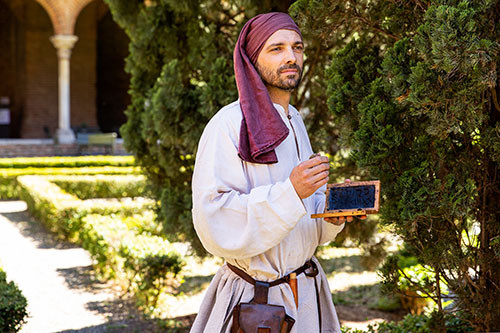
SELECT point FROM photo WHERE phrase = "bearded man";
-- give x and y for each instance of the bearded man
(255, 188)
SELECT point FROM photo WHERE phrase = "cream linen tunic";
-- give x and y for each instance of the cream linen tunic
(250, 215)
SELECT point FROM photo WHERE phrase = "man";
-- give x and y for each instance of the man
(255, 187)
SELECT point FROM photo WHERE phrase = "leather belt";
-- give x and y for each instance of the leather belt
(302, 269)
(285, 279)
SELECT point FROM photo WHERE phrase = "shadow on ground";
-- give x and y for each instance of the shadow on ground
(32, 229)
(194, 284)
(174, 325)
(364, 303)
(120, 310)
(348, 264)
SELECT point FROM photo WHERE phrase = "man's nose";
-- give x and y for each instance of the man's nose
(290, 57)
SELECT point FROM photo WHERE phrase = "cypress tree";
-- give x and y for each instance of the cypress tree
(416, 93)
(180, 62)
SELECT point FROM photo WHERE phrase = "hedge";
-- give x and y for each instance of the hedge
(103, 186)
(13, 305)
(146, 261)
(61, 212)
(66, 162)
(9, 188)
(120, 234)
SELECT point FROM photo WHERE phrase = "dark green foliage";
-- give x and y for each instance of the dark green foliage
(181, 70)
(421, 114)
(13, 305)
(423, 324)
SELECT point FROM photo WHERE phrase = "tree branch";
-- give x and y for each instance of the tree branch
(494, 98)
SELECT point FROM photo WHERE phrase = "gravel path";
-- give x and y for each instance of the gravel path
(57, 280)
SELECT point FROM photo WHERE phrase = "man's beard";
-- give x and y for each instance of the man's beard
(274, 79)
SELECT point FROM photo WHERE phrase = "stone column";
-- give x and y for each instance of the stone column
(64, 44)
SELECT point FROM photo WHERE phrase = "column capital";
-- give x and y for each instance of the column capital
(64, 44)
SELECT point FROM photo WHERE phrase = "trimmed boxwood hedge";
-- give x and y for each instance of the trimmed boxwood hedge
(66, 162)
(146, 261)
(121, 234)
(61, 212)
(9, 188)
(103, 186)
(13, 305)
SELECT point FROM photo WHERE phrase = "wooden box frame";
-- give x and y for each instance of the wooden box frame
(351, 212)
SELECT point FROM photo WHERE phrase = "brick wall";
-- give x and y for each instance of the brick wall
(41, 89)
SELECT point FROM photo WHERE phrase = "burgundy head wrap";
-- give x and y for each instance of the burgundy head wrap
(262, 128)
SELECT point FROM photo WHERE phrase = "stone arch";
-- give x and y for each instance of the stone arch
(31, 71)
(63, 14)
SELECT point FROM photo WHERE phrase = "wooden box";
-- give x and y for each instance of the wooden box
(351, 199)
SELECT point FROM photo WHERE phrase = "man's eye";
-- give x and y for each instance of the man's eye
(299, 47)
(275, 49)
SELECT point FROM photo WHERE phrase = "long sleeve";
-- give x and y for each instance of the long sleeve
(232, 217)
(250, 215)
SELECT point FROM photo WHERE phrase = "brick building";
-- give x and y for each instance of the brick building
(61, 68)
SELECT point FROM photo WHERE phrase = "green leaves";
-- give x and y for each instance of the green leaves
(13, 304)
(181, 70)
(426, 126)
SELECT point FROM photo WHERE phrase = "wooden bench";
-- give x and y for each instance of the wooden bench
(87, 140)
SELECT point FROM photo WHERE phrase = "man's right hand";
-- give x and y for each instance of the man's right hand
(310, 175)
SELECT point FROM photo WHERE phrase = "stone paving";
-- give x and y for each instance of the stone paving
(58, 281)
(45, 271)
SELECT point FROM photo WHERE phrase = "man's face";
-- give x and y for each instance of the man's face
(280, 61)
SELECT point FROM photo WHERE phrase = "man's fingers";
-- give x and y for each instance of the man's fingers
(362, 217)
(340, 220)
(315, 161)
(333, 220)
(319, 177)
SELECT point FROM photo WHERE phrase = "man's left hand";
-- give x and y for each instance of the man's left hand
(342, 219)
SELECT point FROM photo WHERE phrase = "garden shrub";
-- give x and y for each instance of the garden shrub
(103, 186)
(46, 201)
(149, 263)
(62, 212)
(153, 265)
(9, 188)
(66, 162)
(101, 235)
(120, 233)
(417, 93)
(424, 324)
(13, 305)
(413, 282)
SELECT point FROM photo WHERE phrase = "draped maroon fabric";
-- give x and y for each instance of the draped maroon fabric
(262, 128)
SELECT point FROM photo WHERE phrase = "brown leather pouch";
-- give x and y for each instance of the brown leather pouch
(260, 317)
